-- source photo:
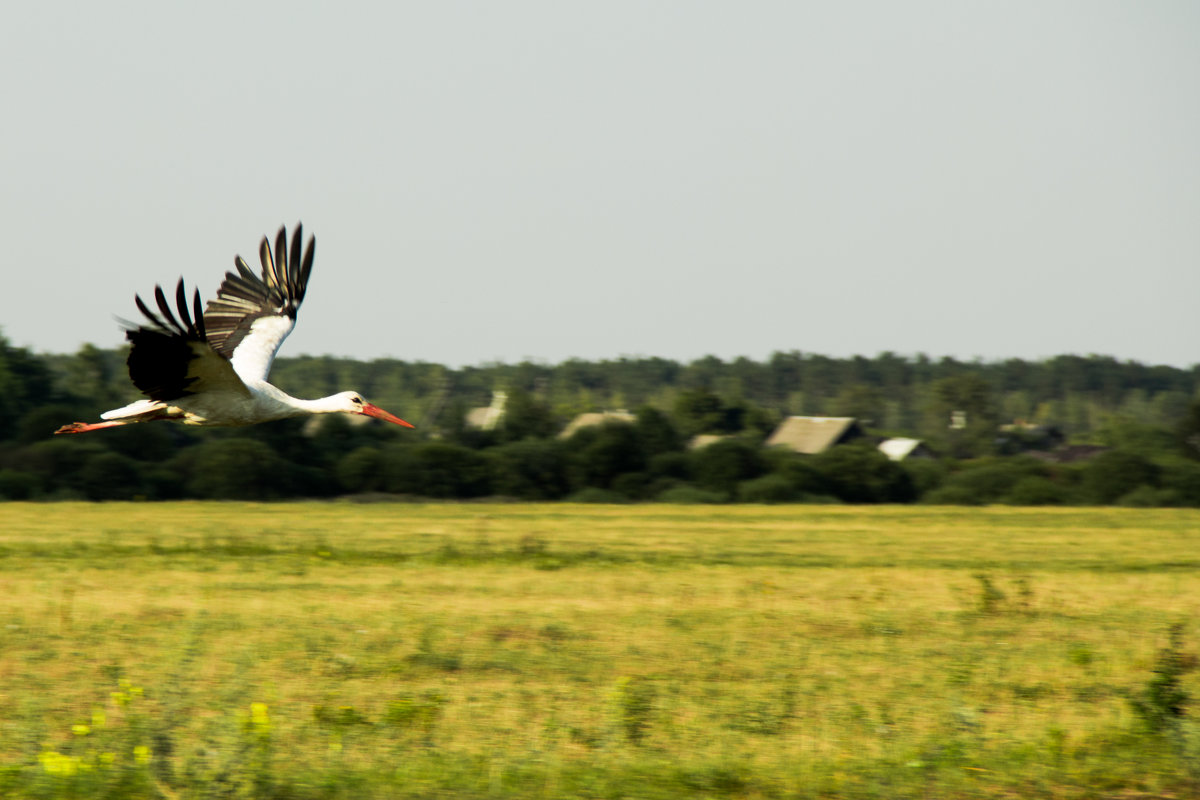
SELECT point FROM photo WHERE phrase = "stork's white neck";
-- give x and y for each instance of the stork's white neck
(333, 404)
(284, 405)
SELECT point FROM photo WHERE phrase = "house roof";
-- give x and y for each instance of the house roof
(488, 417)
(899, 448)
(595, 418)
(480, 417)
(812, 434)
(705, 439)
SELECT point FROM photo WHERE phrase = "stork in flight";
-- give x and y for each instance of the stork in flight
(211, 368)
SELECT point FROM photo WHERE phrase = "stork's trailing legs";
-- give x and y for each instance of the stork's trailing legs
(139, 411)
(84, 427)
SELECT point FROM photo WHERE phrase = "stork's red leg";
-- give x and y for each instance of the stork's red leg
(84, 427)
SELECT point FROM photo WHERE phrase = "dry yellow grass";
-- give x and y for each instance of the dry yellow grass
(785, 641)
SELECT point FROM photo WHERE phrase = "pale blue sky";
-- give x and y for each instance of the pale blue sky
(502, 181)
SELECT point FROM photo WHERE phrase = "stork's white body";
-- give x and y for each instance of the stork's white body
(211, 368)
(265, 403)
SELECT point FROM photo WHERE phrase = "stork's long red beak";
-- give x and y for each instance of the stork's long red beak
(379, 413)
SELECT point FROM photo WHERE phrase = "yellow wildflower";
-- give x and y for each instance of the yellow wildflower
(56, 763)
(259, 715)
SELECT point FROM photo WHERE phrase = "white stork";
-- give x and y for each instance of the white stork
(211, 368)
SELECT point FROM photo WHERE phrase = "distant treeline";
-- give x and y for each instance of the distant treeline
(1145, 417)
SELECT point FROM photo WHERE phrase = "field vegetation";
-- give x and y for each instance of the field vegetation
(328, 650)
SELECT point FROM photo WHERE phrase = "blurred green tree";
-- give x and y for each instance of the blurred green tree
(600, 453)
(1110, 475)
(722, 465)
(859, 473)
(531, 469)
(436, 469)
(237, 469)
(111, 476)
(526, 417)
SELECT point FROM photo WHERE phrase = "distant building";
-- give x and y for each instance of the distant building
(705, 439)
(812, 435)
(900, 448)
(596, 418)
(1020, 436)
(486, 418)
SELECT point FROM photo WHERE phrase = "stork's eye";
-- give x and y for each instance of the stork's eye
(358, 400)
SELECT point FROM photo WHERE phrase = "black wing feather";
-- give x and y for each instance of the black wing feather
(306, 263)
(166, 309)
(158, 323)
(161, 353)
(244, 268)
(198, 312)
(181, 304)
(293, 272)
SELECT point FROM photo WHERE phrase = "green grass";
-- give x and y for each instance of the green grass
(359, 651)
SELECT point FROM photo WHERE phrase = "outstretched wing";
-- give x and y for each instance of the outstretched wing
(252, 315)
(171, 358)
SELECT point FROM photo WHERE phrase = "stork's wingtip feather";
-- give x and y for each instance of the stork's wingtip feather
(150, 315)
(182, 305)
(243, 268)
(198, 311)
(125, 324)
(165, 308)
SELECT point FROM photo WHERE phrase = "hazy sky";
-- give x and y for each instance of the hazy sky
(502, 181)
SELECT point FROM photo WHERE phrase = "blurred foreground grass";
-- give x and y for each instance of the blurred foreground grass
(340, 650)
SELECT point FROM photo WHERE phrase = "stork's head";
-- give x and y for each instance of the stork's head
(353, 403)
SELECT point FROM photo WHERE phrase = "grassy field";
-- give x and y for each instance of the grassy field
(340, 650)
